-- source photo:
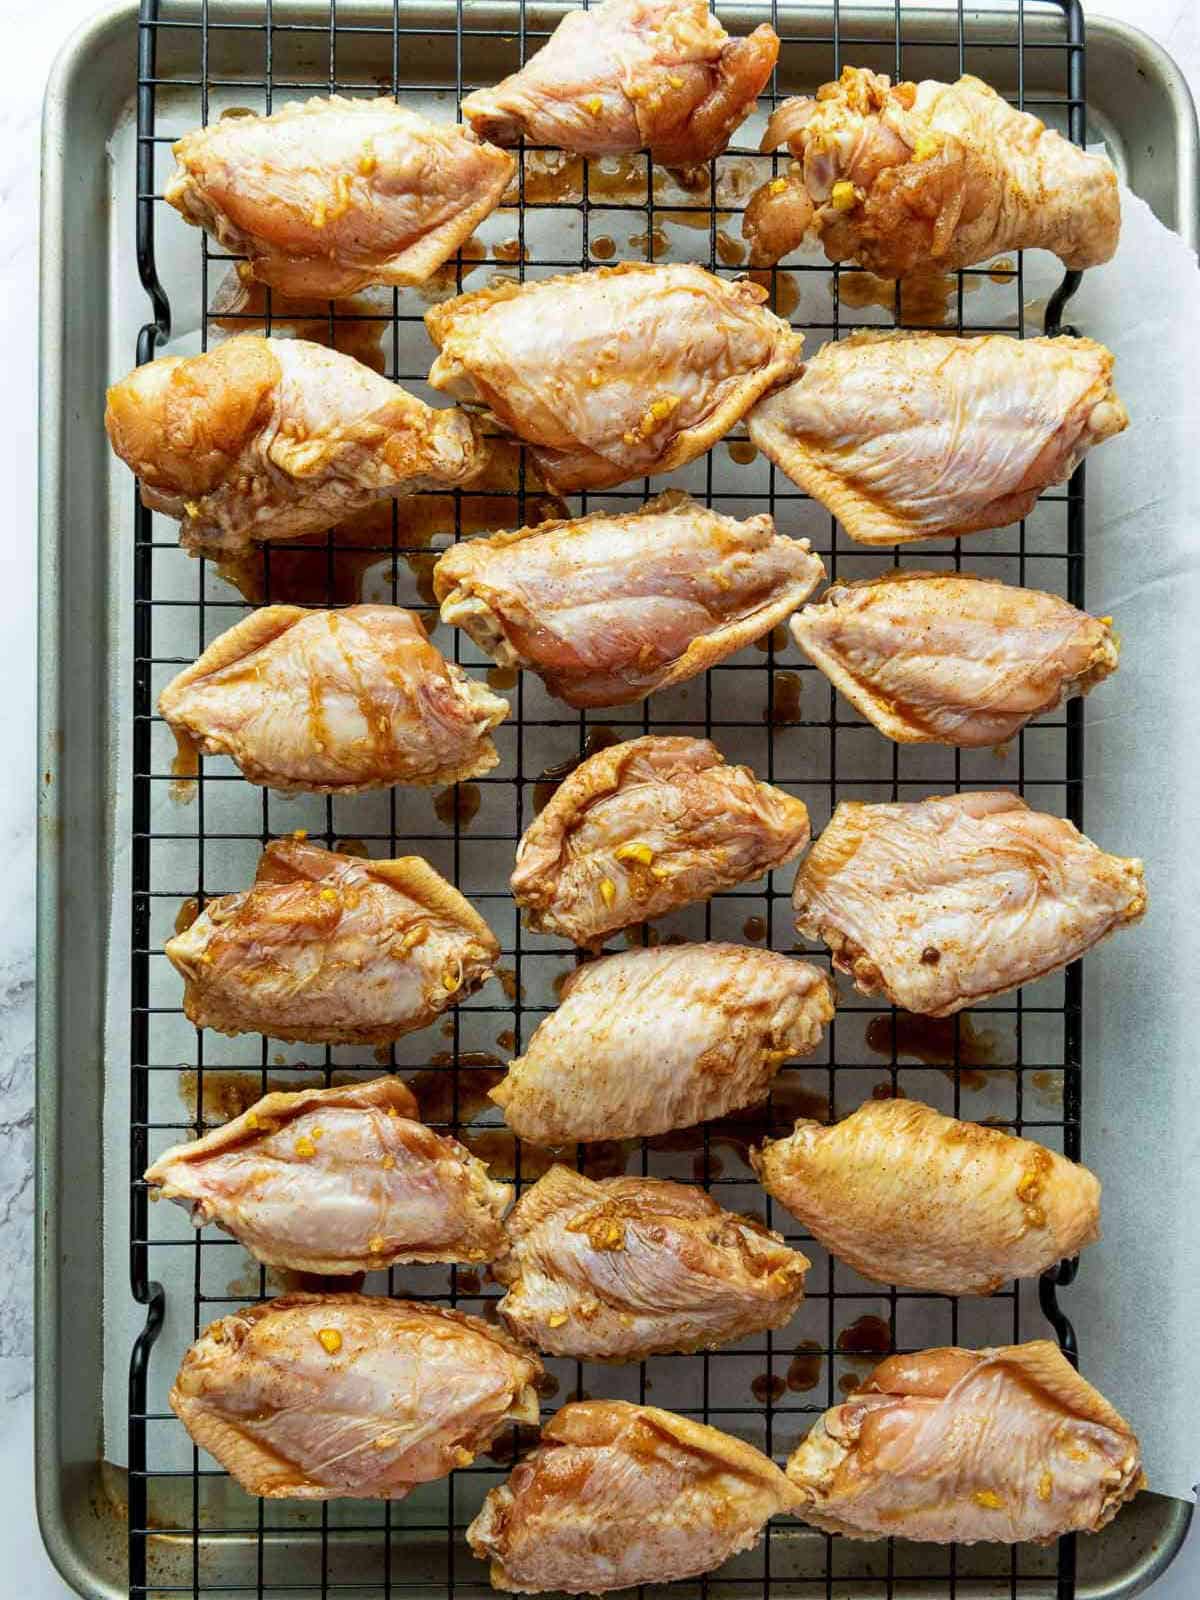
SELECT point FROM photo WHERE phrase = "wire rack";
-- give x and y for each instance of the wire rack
(191, 1530)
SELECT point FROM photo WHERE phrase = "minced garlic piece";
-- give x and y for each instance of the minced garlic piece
(301, 834)
(594, 104)
(305, 1147)
(1045, 1486)
(988, 1499)
(1107, 621)
(777, 185)
(462, 1457)
(608, 891)
(318, 215)
(331, 1340)
(928, 144)
(415, 935)
(675, 81)
(389, 1162)
(251, 1120)
(367, 162)
(451, 979)
(329, 896)
(192, 508)
(556, 1319)
(657, 413)
(844, 196)
(376, 1245)
(635, 852)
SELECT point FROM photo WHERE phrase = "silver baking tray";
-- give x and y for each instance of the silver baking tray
(196, 1537)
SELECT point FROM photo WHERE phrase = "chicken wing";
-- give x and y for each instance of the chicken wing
(606, 609)
(325, 197)
(329, 1396)
(334, 702)
(644, 827)
(628, 75)
(338, 1181)
(942, 903)
(264, 439)
(929, 174)
(947, 658)
(910, 1197)
(617, 1495)
(332, 949)
(615, 373)
(655, 1039)
(963, 1445)
(923, 435)
(633, 1267)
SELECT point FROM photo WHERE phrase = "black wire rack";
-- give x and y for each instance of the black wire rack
(1015, 1062)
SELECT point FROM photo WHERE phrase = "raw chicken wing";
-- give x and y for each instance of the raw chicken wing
(910, 1197)
(617, 1495)
(616, 373)
(942, 903)
(334, 702)
(949, 1445)
(606, 609)
(929, 174)
(655, 1039)
(632, 1267)
(333, 1396)
(332, 949)
(922, 435)
(947, 658)
(338, 1181)
(325, 197)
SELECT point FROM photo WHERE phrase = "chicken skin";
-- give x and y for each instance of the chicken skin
(908, 436)
(333, 1396)
(942, 903)
(607, 609)
(334, 702)
(332, 949)
(616, 373)
(326, 197)
(645, 827)
(1009, 1444)
(633, 1267)
(262, 439)
(338, 1181)
(928, 175)
(948, 658)
(628, 75)
(655, 1039)
(910, 1197)
(617, 1495)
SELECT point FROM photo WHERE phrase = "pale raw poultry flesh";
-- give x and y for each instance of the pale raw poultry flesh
(263, 439)
(632, 1267)
(943, 903)
(616, 373)
(928, 175)
(617, 1495)
(645, 827)
(332, 1396)
(655, 1039)
(910, 1197)
(908, 436)
(606, 609)
(338, 1181)
(948, 658)
(327, 196)
(334, 702)
(628, 75)
(949, 1445)
(332, 949)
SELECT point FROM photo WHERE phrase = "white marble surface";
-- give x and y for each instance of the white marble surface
(31, 32)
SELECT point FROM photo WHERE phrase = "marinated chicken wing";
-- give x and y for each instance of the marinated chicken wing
(617, 1495)
(962, 1445)
(655, 1039)
(332, 949)
(945, 902)
(329, 1396)
(947, 658)
(929, 174)
(633, 1267)
(325, 197)
(910, 1197)
(607, 609)
(922, 435)
(644, 827)
(338, 1181)
(334, 702)
(616, 373)
(627, 75)
(264, 439)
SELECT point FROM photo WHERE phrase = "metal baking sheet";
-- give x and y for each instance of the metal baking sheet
(93, 307)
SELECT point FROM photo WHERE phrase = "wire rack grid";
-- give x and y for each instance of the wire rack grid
(1015, 1062)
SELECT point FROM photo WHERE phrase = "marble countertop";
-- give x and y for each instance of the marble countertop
(30, 36)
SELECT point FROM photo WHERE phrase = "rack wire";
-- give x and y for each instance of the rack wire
(1016, 1062)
